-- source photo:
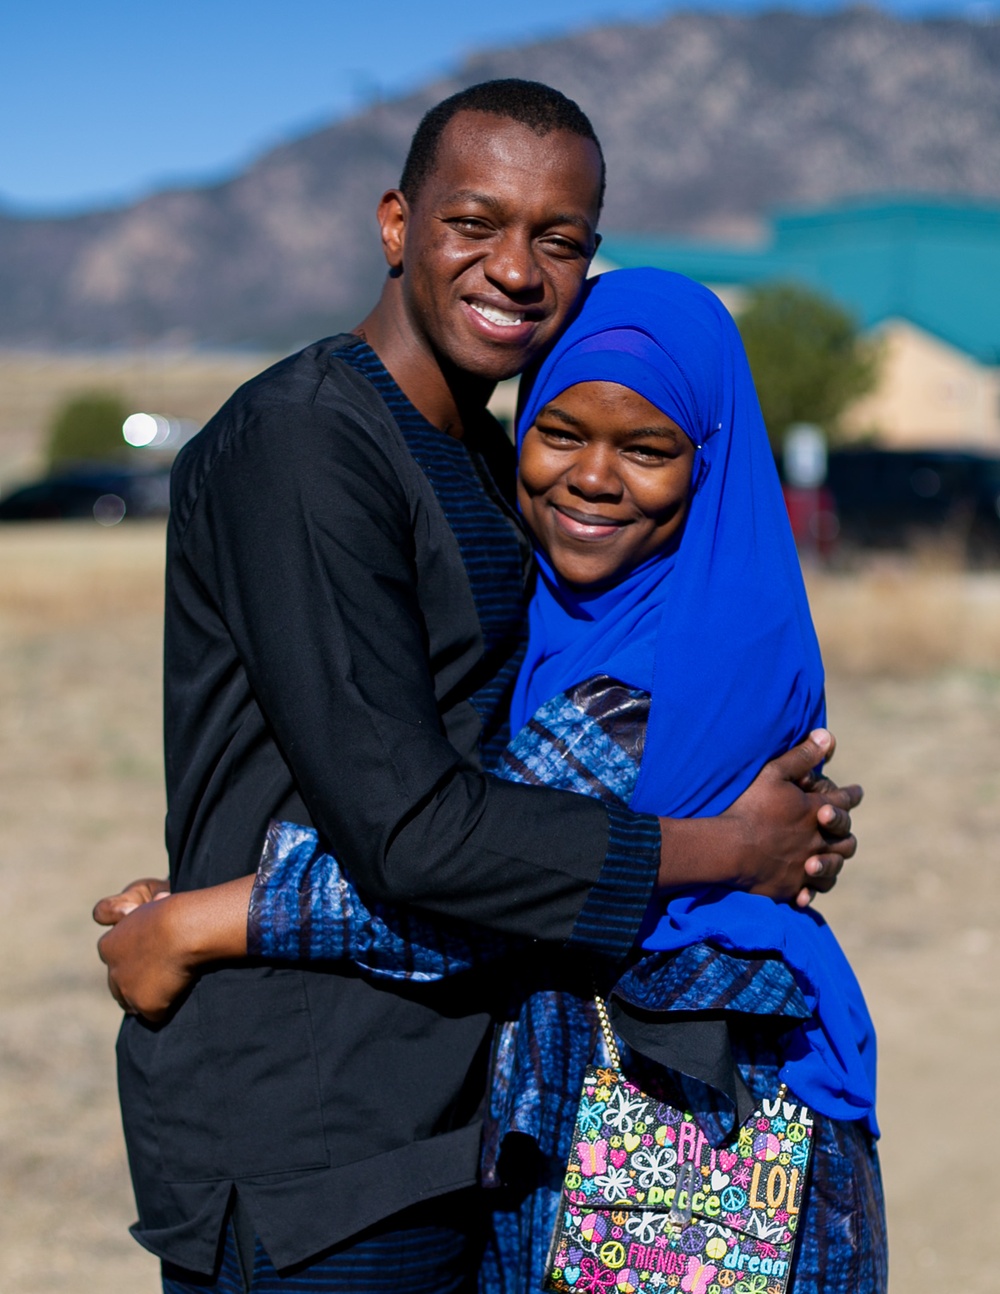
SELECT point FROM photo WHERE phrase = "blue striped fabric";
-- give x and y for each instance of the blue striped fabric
(703, 978)
(494, 550)
(539, 1058)
(606, 923)
(304, 907)
(552, 751)
(434, 1258)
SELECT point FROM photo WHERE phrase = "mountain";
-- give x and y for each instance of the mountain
(708, 122)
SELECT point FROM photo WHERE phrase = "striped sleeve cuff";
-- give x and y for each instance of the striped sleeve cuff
(304, 908)
(615, 907)
(285, 892)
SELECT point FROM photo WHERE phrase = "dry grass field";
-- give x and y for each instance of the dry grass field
(914, 699)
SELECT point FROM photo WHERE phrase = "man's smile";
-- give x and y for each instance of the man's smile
(507, 323)
(505, 318)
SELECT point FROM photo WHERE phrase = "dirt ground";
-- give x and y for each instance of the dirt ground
(81, 805)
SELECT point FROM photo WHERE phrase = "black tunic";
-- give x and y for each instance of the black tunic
(331, 659)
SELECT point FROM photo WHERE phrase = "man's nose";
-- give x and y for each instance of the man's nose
(513, 265)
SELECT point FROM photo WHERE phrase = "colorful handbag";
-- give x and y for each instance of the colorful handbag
(649, 1206)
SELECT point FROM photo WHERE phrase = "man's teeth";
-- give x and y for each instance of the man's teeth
(505, 318)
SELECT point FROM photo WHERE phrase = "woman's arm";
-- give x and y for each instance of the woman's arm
(300, 906)
(758, 844)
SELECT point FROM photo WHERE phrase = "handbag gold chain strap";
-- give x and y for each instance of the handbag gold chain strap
(610, 1041)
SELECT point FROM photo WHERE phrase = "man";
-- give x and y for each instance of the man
(344, 621)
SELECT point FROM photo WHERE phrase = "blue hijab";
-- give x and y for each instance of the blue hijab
(717, 630)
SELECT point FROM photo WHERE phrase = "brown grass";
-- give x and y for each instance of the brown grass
(81, 805)
(907, 621)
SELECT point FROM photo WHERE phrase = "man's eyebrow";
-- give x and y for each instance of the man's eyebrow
(473, 195)
(495, 204)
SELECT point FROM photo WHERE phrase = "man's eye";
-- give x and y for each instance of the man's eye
(563, 246)
(469, 225)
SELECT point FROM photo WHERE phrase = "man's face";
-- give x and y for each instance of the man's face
(495, 249)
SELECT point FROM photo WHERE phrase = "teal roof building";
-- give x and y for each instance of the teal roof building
(934, 262)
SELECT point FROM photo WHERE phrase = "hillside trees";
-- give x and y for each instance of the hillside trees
(808, 359)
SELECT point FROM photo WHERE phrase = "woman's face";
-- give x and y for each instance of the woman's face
(603, 481)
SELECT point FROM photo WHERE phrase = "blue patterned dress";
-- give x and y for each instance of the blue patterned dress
(587, 740)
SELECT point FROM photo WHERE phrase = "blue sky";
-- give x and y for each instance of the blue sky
(106, 100)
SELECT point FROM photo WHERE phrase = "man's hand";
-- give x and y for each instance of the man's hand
(789, 806)
(786, 836)
(160, 941)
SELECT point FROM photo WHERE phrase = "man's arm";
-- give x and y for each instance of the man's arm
(303, 542)
(154, 956)
(309, 535)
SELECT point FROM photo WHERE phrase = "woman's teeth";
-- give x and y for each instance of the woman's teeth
(505, 318)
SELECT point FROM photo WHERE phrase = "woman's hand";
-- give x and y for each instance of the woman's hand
(148, 969)
(110, 910)
(787, 836)
(157, 947)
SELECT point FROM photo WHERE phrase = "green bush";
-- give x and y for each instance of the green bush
(808, 359)
(88, 429)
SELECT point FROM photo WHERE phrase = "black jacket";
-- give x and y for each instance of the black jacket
(325, 663)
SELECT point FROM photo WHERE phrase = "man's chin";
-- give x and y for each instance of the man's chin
(497, 363)
(501, 371)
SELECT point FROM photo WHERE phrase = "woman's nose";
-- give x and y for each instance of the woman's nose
(594, 473)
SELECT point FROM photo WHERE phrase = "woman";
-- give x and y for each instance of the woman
(671, 654)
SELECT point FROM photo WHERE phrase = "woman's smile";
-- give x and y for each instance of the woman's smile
(588, 527)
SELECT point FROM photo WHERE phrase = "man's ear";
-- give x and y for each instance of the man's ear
(393, 213)
(598, 239)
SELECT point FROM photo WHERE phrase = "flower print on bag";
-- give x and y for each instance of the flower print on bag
(645, 1227)
(595, 1278)
(614, 1184)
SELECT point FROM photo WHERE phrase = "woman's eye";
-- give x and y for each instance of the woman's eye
(556, 436)
(649, 453)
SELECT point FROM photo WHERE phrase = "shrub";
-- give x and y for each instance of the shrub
(808, 359)
(87, 428)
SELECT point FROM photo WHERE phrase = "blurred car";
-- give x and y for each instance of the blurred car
(895, 498)
(813, 516)
(105, 494)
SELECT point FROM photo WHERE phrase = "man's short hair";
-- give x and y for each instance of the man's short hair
(530, 103)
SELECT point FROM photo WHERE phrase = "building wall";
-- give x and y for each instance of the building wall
(930, 394)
